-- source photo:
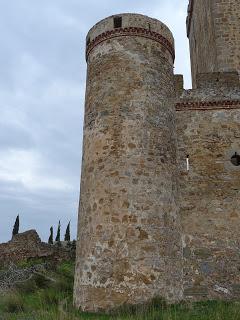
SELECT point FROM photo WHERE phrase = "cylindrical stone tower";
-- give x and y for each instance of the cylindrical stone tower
(129, 246)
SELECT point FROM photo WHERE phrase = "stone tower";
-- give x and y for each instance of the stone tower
(214, 36)
(129, 247)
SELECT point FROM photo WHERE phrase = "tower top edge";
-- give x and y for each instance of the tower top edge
(134, 20)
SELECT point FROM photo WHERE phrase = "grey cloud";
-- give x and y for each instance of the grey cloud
(13, 137)
(37, 210)
(42, 85)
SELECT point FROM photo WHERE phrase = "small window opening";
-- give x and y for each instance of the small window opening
(117, 22)
(187, 162)
(235, 159)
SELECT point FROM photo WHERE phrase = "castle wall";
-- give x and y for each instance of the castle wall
(214, 36)
(202, 39)
(129, 245)
(208, 126)
(227, 32)
(159, 203)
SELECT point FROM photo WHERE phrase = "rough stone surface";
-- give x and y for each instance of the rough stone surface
(28, 245)
(209, 192)
(214, 36)
(159, 203)
(16, 275)
(129, 247)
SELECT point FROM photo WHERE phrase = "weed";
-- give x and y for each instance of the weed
(12, 303)
(41, 281)
(26, 287)
(49, 297)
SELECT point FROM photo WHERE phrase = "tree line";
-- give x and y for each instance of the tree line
(67, 236)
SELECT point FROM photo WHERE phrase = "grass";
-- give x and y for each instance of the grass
(49, 297)
(30, 263)
(209, 310)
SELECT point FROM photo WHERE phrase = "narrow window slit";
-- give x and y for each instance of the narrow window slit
(187, 163)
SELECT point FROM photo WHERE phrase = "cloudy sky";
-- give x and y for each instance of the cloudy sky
(42, 87)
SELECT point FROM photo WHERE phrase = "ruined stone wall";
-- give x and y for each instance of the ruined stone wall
(208, 126)
(28, 245)
(129, 247)
(214, 36)
(14, 275)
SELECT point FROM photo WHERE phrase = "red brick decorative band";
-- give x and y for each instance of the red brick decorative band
(208, 105)
(189, 17)
(130, 31)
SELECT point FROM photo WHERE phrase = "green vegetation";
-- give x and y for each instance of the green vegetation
(16, 226)
(50, 239)
(67, 236)
(58, 236)
(30, 263)
(48, 296)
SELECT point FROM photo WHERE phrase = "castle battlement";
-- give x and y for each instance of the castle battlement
(130, 25)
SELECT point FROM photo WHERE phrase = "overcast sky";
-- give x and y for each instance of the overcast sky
(42, 83)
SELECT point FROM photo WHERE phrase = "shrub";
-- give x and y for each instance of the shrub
(63, 285)
(30, 262)
(49, 297)
(12, 303)
(66, 270)
(26, 287)
(41, 281)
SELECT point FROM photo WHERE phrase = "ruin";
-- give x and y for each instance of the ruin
(27, 245)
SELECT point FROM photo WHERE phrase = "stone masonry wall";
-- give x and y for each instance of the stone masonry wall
(214, 36)
(150, 225)
(28, 245)
(202, 41)
(129, 245)
(208, 126)
(227, 32)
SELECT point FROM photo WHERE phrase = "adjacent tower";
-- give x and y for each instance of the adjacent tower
(214, 36)
(129, 247)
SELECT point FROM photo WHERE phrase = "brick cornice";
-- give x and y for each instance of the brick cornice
(131, 31)
(208, 105)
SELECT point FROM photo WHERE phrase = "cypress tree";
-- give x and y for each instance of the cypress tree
(16, 226)
(67, 233)
(58, 232)
(50, 239)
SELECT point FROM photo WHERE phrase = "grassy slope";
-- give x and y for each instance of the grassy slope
(49, 297)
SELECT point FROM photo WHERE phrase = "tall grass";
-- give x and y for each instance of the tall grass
(49, 297)
(209, 310)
